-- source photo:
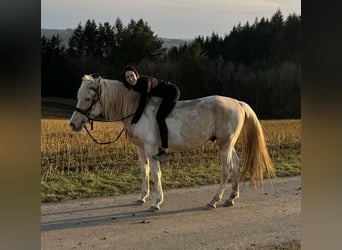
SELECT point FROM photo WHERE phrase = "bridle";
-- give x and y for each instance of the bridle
(86, 112)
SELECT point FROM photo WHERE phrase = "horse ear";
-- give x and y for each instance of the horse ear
(97, 80)
(87, 77)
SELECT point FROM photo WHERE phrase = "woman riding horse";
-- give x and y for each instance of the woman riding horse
(149, 86)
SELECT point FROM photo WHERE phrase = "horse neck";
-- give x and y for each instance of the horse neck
(118, 102)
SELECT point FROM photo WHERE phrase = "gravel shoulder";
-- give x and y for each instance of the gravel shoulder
(266, 218)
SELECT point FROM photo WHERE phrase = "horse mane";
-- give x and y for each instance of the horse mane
(118, 101)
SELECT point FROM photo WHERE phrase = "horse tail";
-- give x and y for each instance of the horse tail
(258, 158)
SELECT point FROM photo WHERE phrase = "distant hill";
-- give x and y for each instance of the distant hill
(64, 35)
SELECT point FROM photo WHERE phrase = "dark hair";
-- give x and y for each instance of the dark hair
(129, 68)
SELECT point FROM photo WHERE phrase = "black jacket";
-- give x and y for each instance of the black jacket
(148, 86)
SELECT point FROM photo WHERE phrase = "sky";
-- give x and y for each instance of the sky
(182, 19)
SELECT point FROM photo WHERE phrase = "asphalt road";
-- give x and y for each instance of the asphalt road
(260, 219)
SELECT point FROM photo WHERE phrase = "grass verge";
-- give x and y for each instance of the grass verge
(73, 167)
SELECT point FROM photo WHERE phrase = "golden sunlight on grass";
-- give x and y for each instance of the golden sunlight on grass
(73, 166)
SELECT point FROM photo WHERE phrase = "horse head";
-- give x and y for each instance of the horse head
(88, 103)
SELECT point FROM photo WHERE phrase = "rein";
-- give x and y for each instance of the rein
(91, 121)
(103, 143)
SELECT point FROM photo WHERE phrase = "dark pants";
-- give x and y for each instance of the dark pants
(164, 110)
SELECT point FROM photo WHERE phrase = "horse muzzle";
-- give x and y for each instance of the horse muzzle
(74, 127)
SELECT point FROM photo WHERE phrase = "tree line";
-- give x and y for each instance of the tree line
(257, 63)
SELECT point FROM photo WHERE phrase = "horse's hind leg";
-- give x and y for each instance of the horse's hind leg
(145, 171)
(225, 155)
(235, 180)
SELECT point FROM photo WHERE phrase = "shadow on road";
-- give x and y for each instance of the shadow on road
(133, 217)
(89, 209)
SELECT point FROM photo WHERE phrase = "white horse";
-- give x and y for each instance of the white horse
(191, 124)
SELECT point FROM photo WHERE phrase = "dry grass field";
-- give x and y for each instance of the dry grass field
(73, 166)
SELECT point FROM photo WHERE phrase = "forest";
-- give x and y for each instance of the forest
(258, 63)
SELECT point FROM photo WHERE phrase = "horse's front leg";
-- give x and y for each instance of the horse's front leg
(156, 176)
(145, 172)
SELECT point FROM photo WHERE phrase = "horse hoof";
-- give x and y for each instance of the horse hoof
(228, 203)
(154, 209)
(210, 206)
(140, 202)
